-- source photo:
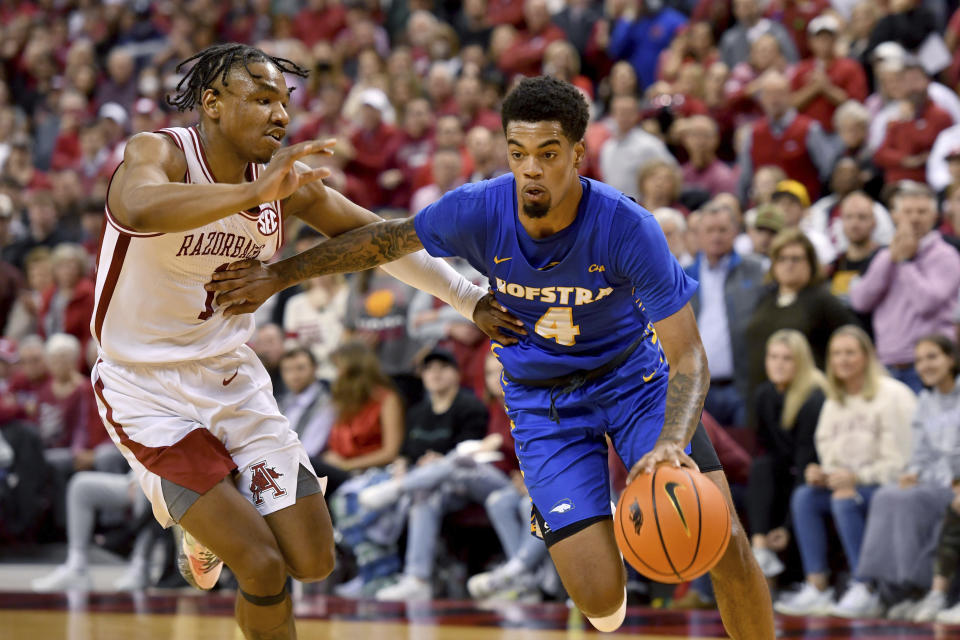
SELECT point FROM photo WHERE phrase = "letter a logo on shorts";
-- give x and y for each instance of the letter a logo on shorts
(264, 478)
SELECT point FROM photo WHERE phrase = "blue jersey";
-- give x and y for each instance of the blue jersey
(609, 277)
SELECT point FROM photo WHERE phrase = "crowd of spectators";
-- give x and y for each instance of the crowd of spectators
(801, 156)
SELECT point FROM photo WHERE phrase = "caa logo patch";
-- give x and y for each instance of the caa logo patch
(563, 506)
(268, 222)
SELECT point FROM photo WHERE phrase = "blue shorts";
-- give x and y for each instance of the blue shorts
(565, 465)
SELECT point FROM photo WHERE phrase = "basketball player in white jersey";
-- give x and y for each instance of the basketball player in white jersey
(182, 396)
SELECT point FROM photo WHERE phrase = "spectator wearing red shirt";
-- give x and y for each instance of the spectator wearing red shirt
(413, 152)
(700, 137)
(505, 12)
(486, 153)
(447, 171)
(448, 134)
(911, 132)
(785, 139)
(324, 119)
(742, 89)
(440, 89)
(525, 55)
(469, 98)
(374, 148)
(319, 20)
(68, 306)
(823, 82)
(795, 15)
(561, 60)
(66, 149)
(67, 412)
(30, 376)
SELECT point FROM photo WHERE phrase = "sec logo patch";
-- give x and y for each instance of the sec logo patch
(268, 222)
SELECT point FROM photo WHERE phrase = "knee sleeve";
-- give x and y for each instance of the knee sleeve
(613, 621)
(265, 601)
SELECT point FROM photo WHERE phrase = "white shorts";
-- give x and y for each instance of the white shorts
(194, 423)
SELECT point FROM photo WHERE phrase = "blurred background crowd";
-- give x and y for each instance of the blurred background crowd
(801, 156)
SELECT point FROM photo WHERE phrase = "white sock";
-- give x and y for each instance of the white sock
(613, 621)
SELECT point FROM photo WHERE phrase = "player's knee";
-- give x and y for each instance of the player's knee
(260, 570)
(313, 564)
(599, 598)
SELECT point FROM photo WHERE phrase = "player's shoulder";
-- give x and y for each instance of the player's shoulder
(496, 187)
(476, 197)
(155, 148)
(619, 207)
(157, 141)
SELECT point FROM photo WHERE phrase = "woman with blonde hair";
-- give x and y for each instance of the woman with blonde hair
(863, 441)
(900, 542)
(788, 407)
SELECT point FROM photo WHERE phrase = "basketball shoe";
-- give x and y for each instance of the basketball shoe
(64, 578)
(199, 566)
(509, 581)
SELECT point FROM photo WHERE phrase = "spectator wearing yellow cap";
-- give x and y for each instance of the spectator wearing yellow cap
(794, 200)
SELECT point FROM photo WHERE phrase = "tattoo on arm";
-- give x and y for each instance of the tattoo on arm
(686, 392)
(356, 250)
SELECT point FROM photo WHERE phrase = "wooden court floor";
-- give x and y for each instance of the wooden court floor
(26, 616)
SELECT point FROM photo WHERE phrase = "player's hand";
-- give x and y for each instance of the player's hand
(491, 317)
(243, 286)
(281, 177)
(666, 452)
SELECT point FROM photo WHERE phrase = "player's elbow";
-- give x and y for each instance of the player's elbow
(137, 213)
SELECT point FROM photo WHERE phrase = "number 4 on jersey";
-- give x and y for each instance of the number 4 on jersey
(557, 323)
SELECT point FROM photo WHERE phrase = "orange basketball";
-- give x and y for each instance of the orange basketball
(672, 525)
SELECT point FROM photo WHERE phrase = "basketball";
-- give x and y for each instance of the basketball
(672, 525)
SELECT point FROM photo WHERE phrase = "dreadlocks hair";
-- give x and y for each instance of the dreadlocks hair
(218, 60)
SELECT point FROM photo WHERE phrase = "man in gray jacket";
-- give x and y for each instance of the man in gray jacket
(729, 287)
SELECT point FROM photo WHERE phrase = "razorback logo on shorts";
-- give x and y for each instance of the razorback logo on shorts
(264, 478)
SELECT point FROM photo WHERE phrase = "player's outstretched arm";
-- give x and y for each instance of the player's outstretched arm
(360, 240)
(147, 194)
(247, 284)
(686, 391)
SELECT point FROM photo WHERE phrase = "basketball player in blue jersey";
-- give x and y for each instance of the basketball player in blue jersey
(603, 307)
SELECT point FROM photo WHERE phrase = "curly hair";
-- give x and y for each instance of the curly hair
(547, 99)
(216, 61)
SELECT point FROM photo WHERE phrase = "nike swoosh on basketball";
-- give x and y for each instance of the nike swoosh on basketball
(227, 381)
(671, 489)
(498, 259)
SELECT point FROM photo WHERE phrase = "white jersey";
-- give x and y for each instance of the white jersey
(151, 306)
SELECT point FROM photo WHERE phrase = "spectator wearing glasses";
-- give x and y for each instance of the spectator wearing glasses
(795, 299)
